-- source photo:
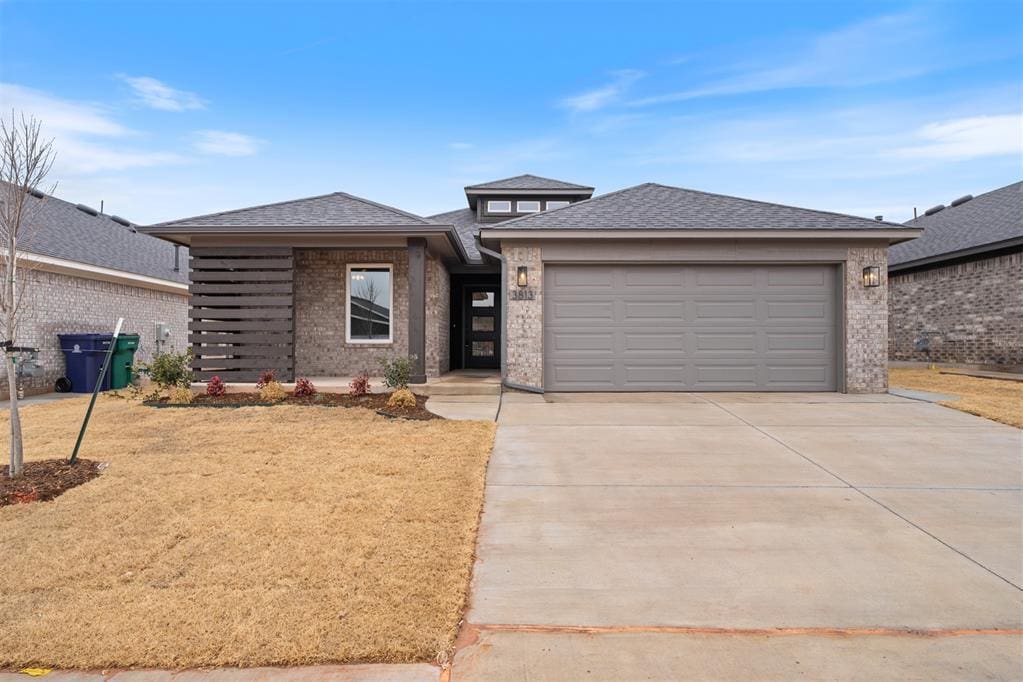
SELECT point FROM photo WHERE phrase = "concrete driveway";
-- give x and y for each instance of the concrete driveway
(747, 536)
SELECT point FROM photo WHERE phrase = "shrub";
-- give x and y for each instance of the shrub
(265, 377)
(397, 371)
(403, 398)
(303, 388)
(272, 392)
(181, 394)
(169, 369)
(360, 384)
(216, 387)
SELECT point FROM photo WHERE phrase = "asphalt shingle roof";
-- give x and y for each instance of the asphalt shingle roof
(527, 182)
(464, 221)
(660, 207)
(56, 228)
(328, 210)
(990, 218)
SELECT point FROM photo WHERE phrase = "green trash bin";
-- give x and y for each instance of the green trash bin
(123, 359)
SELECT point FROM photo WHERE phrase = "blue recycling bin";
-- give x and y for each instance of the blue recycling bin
(83, 358)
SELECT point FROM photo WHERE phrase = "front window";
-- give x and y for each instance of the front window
(498, 207)
(527, 206)
(369, 304)
(556, 204)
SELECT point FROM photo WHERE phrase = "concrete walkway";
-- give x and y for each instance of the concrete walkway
(747, 536)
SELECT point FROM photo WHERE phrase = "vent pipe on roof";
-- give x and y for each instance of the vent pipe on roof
(935, 209)
(100, 205)
(87, 209)
(38, 194)
(962, 200)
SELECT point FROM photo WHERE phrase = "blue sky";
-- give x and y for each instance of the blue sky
(165, 110)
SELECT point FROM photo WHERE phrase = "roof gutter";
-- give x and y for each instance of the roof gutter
(893, 235)
(504, 331)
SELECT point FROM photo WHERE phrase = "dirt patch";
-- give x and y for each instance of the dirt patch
(45, 480)
(995, 399)
(254, 536)
(372, 401)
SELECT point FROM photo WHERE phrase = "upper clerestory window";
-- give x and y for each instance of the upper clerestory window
(498, 207)
(556, 204)
(527, 206)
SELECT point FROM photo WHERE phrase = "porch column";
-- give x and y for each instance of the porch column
(417, 307)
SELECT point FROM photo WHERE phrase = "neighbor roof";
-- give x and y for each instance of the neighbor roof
(529, 182)
(990, 221)
(328, 210)
(464, 222)
(652, 206)
(58, 229)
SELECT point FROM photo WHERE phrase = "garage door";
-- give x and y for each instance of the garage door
(690, 328)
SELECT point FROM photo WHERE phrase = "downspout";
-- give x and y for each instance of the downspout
(504, 311)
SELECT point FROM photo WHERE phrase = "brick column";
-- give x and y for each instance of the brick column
(417, 307)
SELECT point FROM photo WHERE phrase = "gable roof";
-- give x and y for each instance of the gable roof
(990, 221)
(464, 222)
(58, 229)
(327, 210)
(652, 206)
(529, 182)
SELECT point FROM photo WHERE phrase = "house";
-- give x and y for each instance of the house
(81, 270)
(650, 288)
(956, 293)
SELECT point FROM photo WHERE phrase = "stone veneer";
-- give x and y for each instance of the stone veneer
(866, 321)
(970, 312)
(320, 346)
(57, 303)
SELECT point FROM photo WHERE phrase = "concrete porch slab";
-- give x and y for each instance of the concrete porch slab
(477, 407)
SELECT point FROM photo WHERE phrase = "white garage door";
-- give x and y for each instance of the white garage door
(690, 328)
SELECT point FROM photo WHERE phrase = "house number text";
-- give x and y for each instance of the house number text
(522, 294)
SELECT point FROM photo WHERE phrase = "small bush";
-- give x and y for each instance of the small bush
(265, 377)
(397, 371)
(169, 369)
(303, 388)
(402, 398)
(360, 384)
(216, 387)
(181, 395)
(272, 392)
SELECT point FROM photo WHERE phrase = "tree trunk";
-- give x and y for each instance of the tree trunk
(17, 454)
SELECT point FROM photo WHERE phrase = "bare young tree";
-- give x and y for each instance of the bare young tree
(25, 161)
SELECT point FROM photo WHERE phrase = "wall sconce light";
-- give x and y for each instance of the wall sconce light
(522, 276)
(872, 276)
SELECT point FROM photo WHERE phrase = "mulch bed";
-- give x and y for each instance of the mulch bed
(45, 480)
(371, 401)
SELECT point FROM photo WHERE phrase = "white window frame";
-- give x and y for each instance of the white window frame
(348, 303)
(559, 201)
(491, 202)
(519, 209)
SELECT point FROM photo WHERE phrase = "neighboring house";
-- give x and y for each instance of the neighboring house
(956, 293)
(81, 270)
(647, 288)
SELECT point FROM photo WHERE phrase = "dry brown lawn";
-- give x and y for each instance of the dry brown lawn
(995, 399)
(252, 536)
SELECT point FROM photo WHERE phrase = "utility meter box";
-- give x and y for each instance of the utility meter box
(163, 332)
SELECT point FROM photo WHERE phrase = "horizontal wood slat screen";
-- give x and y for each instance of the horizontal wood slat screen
(242, 312)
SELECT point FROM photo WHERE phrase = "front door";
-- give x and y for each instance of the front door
(481, 325)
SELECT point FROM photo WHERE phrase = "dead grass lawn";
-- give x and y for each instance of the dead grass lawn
(252, 536)
(995, 399)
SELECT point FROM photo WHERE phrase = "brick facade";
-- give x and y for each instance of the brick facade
(63, 304)
(969, 312)
(320, 317)
(866, 321)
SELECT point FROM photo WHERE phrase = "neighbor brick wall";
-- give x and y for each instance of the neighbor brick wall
(63, 304)
(524, 319)
(971, 312)
(320, 346)
(866, 323)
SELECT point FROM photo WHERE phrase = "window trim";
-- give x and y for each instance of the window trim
(519, 209)
(348, 303)
(499, 201)
(563, 203)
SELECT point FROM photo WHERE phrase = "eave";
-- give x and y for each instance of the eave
(893, 236)
(956, 255)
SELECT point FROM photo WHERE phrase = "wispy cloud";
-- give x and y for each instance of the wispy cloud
(60, 115)
(601, 97)
(881, 49)
(966, 138)
(156, 94)
(224, 143)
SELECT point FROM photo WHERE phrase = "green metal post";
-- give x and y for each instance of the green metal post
(95, 390)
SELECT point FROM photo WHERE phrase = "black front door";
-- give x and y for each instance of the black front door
(481, 322)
